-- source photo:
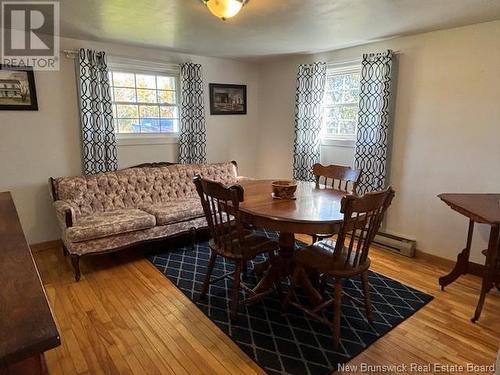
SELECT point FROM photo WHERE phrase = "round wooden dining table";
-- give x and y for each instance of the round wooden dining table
(314, 210)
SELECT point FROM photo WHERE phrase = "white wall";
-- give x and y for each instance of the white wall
(36, 145)
(446, 131)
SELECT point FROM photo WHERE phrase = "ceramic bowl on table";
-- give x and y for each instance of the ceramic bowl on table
(284, 189)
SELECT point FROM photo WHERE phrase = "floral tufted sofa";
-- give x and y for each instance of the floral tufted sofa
(113, 210)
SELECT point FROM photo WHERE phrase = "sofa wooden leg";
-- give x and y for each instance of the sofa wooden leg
(65, 250)
(75, 261)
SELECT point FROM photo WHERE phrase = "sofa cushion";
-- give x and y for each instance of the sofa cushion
(175, 211)
(103, 224)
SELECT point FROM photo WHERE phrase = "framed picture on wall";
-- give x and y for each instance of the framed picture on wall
(17, 89)
(226, 99)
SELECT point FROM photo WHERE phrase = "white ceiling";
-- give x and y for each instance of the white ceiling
(265, 27)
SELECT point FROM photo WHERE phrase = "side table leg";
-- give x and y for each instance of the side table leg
(462, 264)
(489, 273)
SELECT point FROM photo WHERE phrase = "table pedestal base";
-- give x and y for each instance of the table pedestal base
(282, 267)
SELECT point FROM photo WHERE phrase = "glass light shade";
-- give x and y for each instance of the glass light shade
(224, 8)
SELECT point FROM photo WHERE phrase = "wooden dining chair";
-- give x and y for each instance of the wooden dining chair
(344, 258)
(335, 177)
(230, 239)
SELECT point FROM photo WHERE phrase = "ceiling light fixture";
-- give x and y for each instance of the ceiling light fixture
(225, 9)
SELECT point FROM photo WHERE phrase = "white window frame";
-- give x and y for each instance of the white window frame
(340, 140)
(128, 65)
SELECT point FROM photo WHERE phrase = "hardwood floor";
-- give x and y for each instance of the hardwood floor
(125, 317)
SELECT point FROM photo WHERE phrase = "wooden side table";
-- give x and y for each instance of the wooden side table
(484, 209)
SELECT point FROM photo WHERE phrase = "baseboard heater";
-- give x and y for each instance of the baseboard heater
(396, 244)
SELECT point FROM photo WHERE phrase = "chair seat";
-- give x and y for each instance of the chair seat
(320, 257)
(109, 223)
(175, 211)
(251, 246)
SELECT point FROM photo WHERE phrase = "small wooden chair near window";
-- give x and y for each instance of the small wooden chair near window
(230, 239)
(345, 258)
(335, 177)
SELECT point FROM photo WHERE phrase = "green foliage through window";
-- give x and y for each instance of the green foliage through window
(341, 104)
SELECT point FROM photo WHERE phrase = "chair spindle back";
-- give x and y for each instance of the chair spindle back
(221, 207)
(337, 177)
(362, 218)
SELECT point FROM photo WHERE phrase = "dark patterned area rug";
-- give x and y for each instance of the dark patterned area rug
(289, 343)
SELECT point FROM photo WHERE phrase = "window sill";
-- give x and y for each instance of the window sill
(350, 143)
(146, 139)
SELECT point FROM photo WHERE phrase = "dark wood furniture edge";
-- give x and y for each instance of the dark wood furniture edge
(53, 189)
(34, 351)
(293, 221)
(50, 337)
(32, 365)
(476, 218)
(155, 164)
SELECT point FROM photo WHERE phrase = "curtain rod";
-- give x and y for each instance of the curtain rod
(73, 54)
(353, 60)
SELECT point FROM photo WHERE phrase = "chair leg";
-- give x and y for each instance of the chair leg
(366, 292)
(75, 261)
(65, 250)
(337, 311)
(235, 295)
(210, 268)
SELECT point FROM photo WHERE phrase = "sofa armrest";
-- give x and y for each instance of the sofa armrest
(66, 213)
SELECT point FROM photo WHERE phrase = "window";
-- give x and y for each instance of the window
(144, 103)
(341, 102)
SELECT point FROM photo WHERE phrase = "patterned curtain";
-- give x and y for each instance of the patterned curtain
(192, 142)
(311, 80)
(96, 118)
(374, 120)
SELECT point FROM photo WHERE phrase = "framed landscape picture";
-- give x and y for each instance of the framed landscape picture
(228, 99)
(17, 89)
